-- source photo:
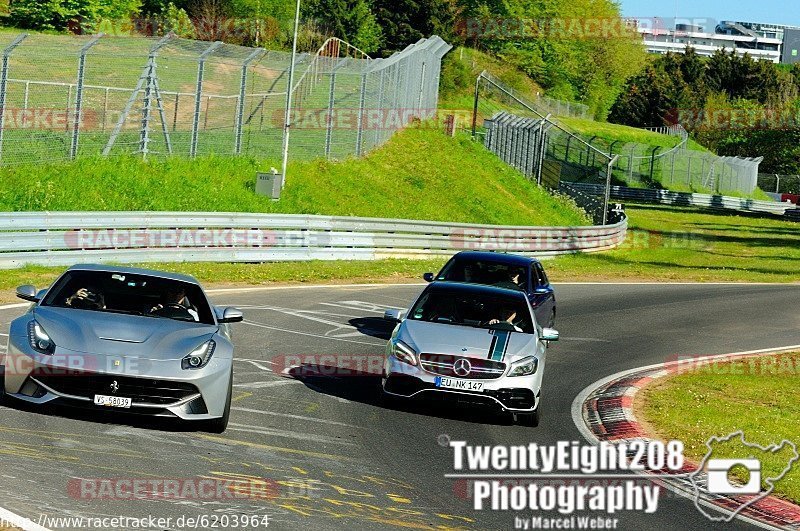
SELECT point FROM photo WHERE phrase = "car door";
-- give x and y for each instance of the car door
(543, 298)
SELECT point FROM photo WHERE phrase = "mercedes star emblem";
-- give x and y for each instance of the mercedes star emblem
(462, 367)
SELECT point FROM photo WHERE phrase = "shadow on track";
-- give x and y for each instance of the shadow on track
(365, 388)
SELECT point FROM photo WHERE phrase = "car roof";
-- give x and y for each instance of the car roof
(134, 271)
(475, 288)
(501, 258)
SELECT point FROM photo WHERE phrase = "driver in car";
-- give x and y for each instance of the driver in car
(88, 298)
(176, 298)
(507, 315)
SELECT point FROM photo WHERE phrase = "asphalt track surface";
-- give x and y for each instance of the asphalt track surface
(334, 457)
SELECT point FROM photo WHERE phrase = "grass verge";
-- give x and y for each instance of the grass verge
(447, 179)
(683, 244)
(758, 396)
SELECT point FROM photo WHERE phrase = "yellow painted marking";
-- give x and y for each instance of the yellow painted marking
(274, 448)
(397, 498)
(352, 492)
(312, 407)
(455, 517)
(299, 470)
(241, 396)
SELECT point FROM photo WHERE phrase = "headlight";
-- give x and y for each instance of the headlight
(525, 367)
(404, 353)
(39, 340)
(199, 357)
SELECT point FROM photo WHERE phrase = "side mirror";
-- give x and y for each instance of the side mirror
(393, 315)
(548, 334)
(231, 315)
(27, 293)
(428, 277)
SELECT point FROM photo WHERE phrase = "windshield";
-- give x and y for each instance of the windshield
(457, 307)
(104, 291)
(485, 272)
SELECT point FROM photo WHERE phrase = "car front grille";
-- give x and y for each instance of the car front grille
(141, 391)
(481, 369)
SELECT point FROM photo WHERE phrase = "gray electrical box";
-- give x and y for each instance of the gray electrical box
(269, 184)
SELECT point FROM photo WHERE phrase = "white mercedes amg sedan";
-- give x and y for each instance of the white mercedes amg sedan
(470, 342)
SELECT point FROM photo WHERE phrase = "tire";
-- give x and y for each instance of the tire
(530, 420)
(220, 424)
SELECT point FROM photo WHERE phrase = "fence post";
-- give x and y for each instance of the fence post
(475, 105)
(146, 76)
(242, 94)
(76, 127)
(653, 163)
(380, 107)
(4, 85)
(331, 103)
(607, 195)
(361, 104)
(198, 96)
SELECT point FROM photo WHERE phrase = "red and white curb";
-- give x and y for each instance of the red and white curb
(603, 412)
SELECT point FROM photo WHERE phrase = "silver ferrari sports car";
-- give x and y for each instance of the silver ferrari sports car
(471, 342)
(124, 339)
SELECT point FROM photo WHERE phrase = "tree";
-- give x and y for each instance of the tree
(405, 22)
(350, 20)
(64, 14)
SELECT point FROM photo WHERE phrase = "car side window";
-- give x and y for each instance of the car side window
(541, 277)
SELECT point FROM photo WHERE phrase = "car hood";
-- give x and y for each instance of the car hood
(121, 335)
(466, 341)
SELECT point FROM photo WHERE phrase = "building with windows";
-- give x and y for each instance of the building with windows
(771, 42)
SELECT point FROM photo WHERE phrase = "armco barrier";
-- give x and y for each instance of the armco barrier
(667, 197)
(64, 238)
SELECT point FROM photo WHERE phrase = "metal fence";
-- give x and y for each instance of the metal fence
(585, 159)
(667, 197)
(779, 184)
(679, 168)
(63, 97)
(61, 238)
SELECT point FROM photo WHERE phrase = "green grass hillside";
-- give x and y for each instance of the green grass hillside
(419, 174)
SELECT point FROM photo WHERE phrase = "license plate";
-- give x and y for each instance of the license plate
(461, 385)
(112, 401)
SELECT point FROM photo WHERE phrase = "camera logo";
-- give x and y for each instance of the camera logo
(713, 479)
(720, 483)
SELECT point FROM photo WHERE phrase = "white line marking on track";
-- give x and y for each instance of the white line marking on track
(275, 328)
(256, 364)
(16, 305)
(7, 517)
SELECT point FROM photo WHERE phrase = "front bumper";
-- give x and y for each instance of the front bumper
(514, 395)
(156, 387)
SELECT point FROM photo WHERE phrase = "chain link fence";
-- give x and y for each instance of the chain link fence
(64, 97)
(347, 103)
(779, 184)
(582, 159)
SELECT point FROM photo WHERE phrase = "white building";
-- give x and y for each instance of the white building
(771, 42)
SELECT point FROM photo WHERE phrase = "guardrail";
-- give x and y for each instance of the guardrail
(64, 238)
(666, 197)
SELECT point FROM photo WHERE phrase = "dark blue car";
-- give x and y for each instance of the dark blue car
(504, 270)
